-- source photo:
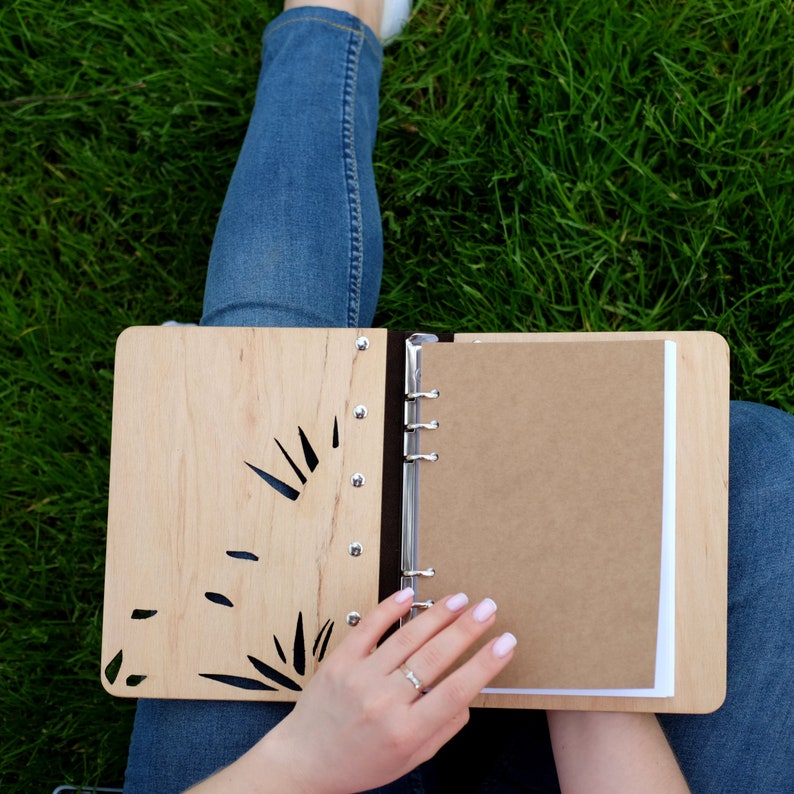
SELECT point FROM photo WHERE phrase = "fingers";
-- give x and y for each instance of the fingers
(416, 633)
(431, 660)
(363, 638)
(426, 647)
(454, 693)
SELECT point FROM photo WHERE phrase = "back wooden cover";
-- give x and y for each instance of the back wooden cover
(701, 525)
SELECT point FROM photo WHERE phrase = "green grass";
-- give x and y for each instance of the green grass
(542, 166)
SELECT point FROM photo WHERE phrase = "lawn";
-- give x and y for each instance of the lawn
(593, 165)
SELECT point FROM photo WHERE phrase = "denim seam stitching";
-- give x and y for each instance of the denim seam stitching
(351, 175)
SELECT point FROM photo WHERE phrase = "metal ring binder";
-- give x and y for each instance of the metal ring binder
(413, 425)
(417, 395)
(423, 425)
(426, 572)
(423, 604)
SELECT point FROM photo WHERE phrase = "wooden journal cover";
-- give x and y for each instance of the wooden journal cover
(252, 508)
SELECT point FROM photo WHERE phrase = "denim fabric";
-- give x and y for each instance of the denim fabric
(299, 244)
(748, 744)
(299, 240)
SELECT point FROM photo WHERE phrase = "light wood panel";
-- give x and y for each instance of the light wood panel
(701, 528)
(193, 407)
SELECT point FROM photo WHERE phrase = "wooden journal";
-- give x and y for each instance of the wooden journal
(269, 485)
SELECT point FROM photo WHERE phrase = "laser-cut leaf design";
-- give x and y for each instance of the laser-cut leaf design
(308, 452)
(309, 455)
(243, 555)
(218, 598)
(298, 472)
(299, 648)
(274, 675)
(113, 667)
(276, 484)
(326, 639)
(143, 614)
(279, 650)
(239, 681)
(319, 637)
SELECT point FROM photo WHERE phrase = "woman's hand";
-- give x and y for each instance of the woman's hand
(369, 716)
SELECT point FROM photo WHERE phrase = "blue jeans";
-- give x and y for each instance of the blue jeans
(299, 244)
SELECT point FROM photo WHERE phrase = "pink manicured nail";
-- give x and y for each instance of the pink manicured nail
(457, 602)
(404, 595)
(484, 610)
(504, 645)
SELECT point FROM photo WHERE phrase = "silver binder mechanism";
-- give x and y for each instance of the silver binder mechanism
(426, 572)
(431, 456)
(412, 455)
(423, 425)
(423, 604)
(422, 395)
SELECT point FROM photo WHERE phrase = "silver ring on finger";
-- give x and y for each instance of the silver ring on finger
(411, 676)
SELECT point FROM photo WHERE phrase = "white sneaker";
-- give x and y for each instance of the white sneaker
(395, 18)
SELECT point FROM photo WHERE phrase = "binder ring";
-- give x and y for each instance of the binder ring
(427, 572)
(428, 395)
(422, 425)
(423, 604)
(431, 456)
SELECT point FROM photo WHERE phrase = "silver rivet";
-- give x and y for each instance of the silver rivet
(360, 411)
(357, 480)
(355, 549)
(353, 618)
(362, 343)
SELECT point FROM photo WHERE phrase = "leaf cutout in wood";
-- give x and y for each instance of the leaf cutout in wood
(319, 637)
(218, 598)
(280, 650)
(243, 555)
(275, 483)
(239, 681)
(274, 675)
(143, 614)
(301, 476)
(299, 648)
(308, 452)
(324, 646)
(113, 667)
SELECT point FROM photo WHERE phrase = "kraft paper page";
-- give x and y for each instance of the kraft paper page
(548, 496)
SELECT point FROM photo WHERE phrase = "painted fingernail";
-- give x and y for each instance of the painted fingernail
(504, 645)
(457, 602)
(484, 610)
(404, 595)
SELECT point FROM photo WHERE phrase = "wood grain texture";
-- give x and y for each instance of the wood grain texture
(192, 408)
(701, 529)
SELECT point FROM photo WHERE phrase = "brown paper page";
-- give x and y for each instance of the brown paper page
(231, 512)
(547, 496)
